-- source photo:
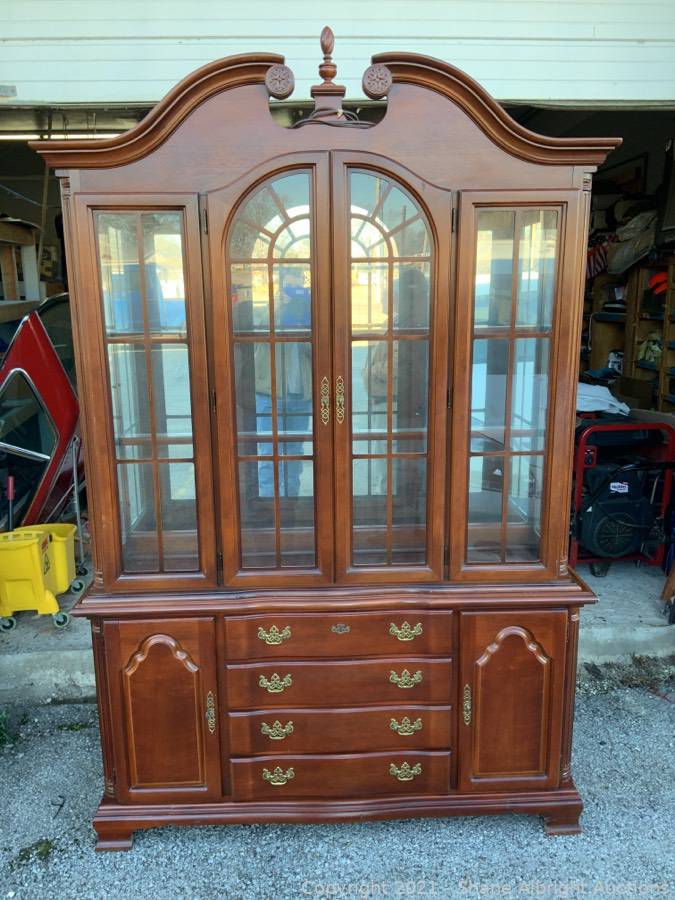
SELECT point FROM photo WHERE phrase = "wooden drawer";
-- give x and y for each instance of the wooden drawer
(351, 775)
(347, 731)
(339, 634)
(339, 683)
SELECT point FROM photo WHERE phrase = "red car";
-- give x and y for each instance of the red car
(39, 414)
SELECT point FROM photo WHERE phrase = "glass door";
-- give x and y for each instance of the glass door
(391, 305)
(330, 424)
(272, 371)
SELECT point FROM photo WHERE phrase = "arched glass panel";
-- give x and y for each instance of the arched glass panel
(270, 255)
(391, 261)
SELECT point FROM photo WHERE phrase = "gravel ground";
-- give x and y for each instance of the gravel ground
(624, 765)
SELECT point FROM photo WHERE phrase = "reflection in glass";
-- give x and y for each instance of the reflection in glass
(143, 289)
(120, 272)
(178, 509)
(139, 281)
(391, 303)
(523, 530)
(271, 295)
(412, 296)
(494, 267)
(296, 513)
(370, 297)
(409, 510)
(130, 400)
(250, 293)
(489, 367)
(529, 399)
(138, 517)
(486, 482)
(171, 391)
(510, 382)
(163, 271)
(536, 267)
(292, 298)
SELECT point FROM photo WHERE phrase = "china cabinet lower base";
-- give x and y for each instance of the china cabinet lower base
(115, 824)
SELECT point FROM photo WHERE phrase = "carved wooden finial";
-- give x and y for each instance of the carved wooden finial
(327, 40)
(327, 95)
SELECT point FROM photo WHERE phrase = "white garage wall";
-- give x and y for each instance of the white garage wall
(93, 51)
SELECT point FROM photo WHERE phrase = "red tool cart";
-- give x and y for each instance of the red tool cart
(622, 491)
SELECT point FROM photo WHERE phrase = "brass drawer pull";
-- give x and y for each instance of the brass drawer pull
(340, 399)
(340, 628)
(278, 731)
(406, 727)
(406, 772)
(275, 685)
(405, 679)
(466, 704)
(211, 712)
(405, 632)
(325, 400)
(278, 776)
(274, 636)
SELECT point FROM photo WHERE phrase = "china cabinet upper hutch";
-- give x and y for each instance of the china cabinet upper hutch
(327, 376)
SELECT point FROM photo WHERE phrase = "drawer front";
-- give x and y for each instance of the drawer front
(397, 728)
(346, 683)
(354, 775)
(339, 634)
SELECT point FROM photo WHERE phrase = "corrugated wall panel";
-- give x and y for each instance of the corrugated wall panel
(94, 51)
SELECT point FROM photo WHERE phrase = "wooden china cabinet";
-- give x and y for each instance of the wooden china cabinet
(327, 375)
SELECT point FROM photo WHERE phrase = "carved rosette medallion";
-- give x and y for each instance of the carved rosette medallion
(376, 82)
(279, 81)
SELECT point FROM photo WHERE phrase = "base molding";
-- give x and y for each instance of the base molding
(115, 824)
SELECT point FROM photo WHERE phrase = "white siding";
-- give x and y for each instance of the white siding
(96, 51)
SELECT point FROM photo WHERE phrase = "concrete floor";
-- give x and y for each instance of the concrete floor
(624, 766)
(38, 662)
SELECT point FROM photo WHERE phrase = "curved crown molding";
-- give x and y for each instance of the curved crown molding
(164, 118)
(436, 75)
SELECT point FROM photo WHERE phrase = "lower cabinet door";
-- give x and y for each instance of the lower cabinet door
(164, 707)
(511, 699)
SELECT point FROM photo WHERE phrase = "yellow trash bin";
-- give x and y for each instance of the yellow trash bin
(61, 553)
(24, 562)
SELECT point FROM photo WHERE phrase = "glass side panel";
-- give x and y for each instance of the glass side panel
(144, 305)
(494, 267)
(390, 303)
(270, 265)
(536, 267)
(515, 276)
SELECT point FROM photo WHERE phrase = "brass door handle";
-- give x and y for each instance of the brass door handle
(405, 632)
(405, 772)
(274, 636)
(466, 704)
(210, 713)
(275, 685)
(278, 776)
(340, 399)
(277, 731)
(325, 400)
(405, 679)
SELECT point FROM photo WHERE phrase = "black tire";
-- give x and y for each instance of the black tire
(599, 569)
(61, 620)
(7, 623)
